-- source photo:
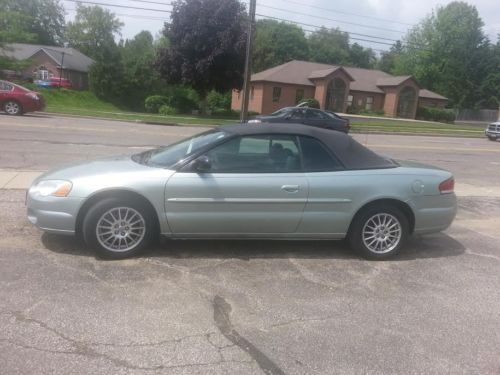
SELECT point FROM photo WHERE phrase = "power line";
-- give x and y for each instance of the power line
(332, 19)
(347, 13)
(349, 33)
(118, 6)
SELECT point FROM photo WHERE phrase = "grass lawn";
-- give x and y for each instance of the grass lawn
(85, 103)
(415, 127)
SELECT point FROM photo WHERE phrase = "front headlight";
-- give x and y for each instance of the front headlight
(56, 188)
(254, 121)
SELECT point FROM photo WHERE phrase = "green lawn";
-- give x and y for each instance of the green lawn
(85, 103)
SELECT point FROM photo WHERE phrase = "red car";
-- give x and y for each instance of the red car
(60, 82)
(16, 100)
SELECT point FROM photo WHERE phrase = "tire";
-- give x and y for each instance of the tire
(118, 229)
(13, 108)
(379, 232)
(492, 138)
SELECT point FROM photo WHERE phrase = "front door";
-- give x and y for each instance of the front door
(254, 188)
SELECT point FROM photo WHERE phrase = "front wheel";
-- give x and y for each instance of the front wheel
(118, 229)
(492, 138)
(13, 108)
(379, 232)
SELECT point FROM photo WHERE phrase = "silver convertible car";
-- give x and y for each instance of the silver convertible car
(276, 181)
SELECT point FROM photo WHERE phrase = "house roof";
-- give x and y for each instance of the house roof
(430, 95)
(303, 72)
(73, 59)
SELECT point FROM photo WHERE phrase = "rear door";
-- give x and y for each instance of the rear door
(314, 117)
(254, 189)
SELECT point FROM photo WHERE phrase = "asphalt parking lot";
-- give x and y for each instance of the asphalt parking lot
(247, 307)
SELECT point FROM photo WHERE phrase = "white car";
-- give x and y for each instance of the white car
(493, 131)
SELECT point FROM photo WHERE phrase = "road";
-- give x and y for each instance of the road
(247, 307)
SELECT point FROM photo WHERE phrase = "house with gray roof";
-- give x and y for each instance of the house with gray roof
(337, 88)
(47, 62)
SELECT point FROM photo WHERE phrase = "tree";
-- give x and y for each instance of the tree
(277, 43)
(387, 61)
(14, 27)
(447, 52)
(93, 30)
(140, 79)
(362, 57)
(329, 46)
(207, 45)
(42, 18)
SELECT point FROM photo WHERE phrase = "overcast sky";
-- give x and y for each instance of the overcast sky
(389, 19)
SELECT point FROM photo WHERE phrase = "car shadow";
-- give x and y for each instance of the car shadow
(418, 247)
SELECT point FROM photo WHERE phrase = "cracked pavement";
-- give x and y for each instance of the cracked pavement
(246, 307)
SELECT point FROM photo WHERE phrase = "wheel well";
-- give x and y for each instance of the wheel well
(122, 194)
(405, 208)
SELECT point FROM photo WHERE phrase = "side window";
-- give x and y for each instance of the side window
(298, 114)
(315, 158)
(314, 115)
(256, 154)
(5, 86)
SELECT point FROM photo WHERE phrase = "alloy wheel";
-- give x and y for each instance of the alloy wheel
(12, 108)
(120, 229)
(382, 233)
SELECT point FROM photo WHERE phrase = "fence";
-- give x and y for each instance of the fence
(478, 115)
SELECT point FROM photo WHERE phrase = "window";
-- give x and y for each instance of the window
(299, 95)
(315, 115)
(369, 103)
(256, 154)
(315, 158)
(4, 86)
(349, 100)
(251, 92)
(276, 94)
(298, 114)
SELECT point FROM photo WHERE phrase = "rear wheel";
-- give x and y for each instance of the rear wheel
(13, 108)
(379, 232)
(492, 138)
(118, 229)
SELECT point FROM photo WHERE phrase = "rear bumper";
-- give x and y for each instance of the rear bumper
(435, 213)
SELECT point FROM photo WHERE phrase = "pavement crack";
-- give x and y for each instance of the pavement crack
(222, 311)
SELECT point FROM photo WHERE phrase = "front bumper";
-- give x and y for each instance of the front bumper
(492, 134)
(53, 214)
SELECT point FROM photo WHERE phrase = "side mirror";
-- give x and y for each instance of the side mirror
(201, 164)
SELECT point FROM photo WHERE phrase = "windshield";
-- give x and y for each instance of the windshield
(281, 112)
(170, 155)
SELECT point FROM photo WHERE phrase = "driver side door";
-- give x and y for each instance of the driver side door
(253, 188)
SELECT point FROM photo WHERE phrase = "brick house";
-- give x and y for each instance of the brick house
(47, 61)
(336, 88)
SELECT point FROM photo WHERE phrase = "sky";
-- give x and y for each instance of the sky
(381, 21)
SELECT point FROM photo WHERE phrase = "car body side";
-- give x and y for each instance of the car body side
(30, 101)
(325, 211)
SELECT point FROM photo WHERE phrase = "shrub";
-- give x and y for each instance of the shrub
(366, 112)
(435, 114)
(154, 102)
(217, 102)
(167, 110)
(311, 103)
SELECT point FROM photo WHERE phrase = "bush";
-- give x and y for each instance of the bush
(435, 114)
(153, 103)
(311, 103)
(217, 102)
(167, 110)
(367, 112)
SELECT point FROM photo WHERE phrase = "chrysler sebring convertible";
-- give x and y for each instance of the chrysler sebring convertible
(266, 181)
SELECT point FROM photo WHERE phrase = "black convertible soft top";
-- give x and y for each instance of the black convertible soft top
(351, 153)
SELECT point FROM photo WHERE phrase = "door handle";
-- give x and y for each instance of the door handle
(290, 188)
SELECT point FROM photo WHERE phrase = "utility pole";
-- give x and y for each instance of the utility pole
(62, 65)
(248, 63)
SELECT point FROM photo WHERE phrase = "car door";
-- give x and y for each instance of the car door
(254, 188)
(314, 117)
(328, 211)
